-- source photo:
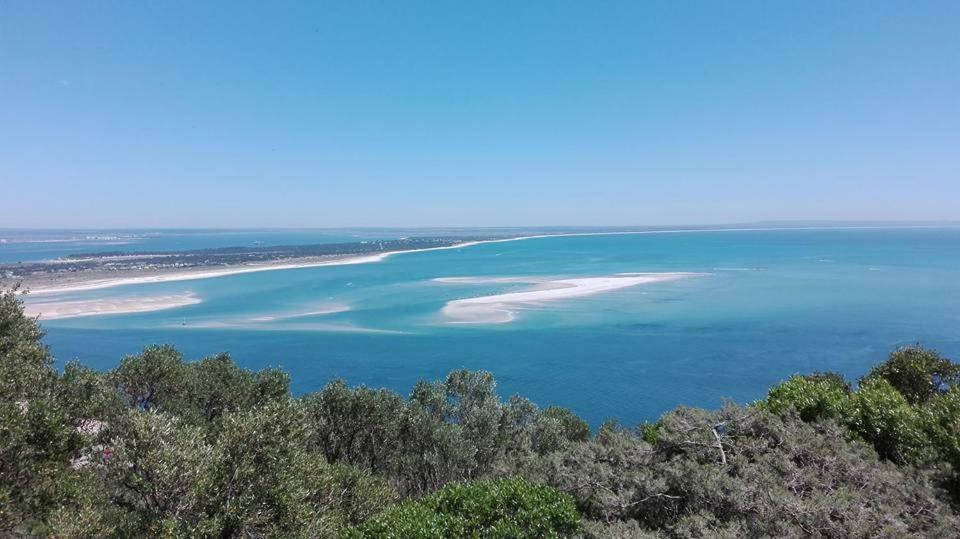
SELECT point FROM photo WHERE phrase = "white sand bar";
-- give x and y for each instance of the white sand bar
(49, 310)
(502, 308)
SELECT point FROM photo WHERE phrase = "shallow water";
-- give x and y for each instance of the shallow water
(768, 304)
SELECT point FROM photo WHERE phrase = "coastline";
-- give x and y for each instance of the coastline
(161, 276)
(78, 283)
(82, 284)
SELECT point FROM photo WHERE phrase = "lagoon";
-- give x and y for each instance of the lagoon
(752, 308)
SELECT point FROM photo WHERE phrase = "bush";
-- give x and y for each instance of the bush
(557, 427)
(163, 447)
(917, 373)
(512, 508)
(745, 472)
(907, 407)
(812, 397)
(882, 416)
(941, 425)
(251, 476)
(37, 438)
(940, 422)
(158, 378)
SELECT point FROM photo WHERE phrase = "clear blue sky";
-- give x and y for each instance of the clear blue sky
(401, 113)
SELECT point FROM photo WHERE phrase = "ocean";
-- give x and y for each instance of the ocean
(756, 307)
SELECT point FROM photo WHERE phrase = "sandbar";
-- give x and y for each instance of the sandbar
(501, 308)
(50, 310)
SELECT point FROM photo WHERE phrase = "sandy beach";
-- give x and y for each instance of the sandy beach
(80, 284)
(501, 308)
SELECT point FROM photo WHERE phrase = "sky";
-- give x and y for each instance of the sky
(452, 113)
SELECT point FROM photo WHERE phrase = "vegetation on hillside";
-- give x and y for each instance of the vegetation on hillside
(162, 446)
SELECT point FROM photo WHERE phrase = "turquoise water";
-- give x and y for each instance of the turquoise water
(768, 304)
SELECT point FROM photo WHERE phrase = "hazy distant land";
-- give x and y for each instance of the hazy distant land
(89, 271)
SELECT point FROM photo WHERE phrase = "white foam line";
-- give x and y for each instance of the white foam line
(486, 280)
(500, 308)
(334, 328)
(364, 259)
(331, 310)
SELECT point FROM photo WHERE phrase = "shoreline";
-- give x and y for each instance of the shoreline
(161, 276)
(79, 284)
(82, 285)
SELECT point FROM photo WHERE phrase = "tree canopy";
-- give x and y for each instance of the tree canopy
(165, 446)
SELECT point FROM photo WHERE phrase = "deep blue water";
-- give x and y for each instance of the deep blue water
(769, 304)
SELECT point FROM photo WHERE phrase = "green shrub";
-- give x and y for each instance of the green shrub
(834, 378)
(745, 472)
(813, 398)
(884, 417)
(649, 431)
(556, 427)
(940, 421)
(37, 438)
(941, 425)
(512, 508)
(917, 373)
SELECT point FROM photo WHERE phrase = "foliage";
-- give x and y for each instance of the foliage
(88, 396)
(158, 378)
(156, 471)
(883, 416)
(163, 446)
(832, 378)
(449, 431)
(917, 373)
(556, 427)
(25, 360)
(252, 476)
(744, 472)
(812, 397)
(907, 406)
(512, 508)
(219, 386)
(37, 438)
(940, 422)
